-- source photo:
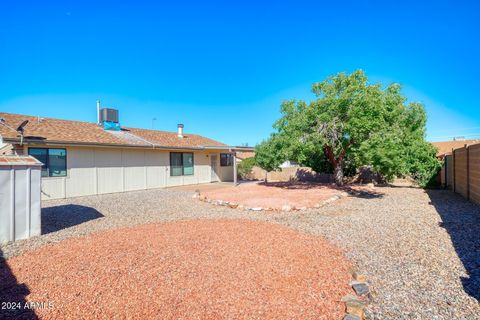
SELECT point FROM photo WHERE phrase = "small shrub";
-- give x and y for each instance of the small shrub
(245, 167)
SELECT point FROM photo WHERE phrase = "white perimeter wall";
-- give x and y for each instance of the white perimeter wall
(107, 170)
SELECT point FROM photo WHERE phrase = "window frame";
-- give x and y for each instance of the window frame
(182, 164)
(47, 165)
(229, 157)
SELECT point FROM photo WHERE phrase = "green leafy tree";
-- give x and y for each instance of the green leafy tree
(270, 153)
(352, 123)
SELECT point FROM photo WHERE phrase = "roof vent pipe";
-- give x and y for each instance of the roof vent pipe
(98, 111)
(180, 130)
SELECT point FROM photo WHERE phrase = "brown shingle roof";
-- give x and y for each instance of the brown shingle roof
(444, 147)
(88, 133)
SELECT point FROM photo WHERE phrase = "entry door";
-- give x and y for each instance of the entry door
(213, 166)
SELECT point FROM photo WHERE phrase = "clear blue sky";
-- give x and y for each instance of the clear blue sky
(223, 68)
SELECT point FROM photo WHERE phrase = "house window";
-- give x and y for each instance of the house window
(54, 161)
(181, 163)
(226, 159)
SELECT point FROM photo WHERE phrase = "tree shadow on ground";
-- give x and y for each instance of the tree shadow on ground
(65, 216)
(358, 191)
(406, 186)
(362, 193)
(308, 175)
(13, 295)
(461, 219)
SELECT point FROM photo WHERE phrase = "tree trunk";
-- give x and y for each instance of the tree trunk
(338, 174)
(337, 162)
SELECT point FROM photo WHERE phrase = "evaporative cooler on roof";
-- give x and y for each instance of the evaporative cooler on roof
(109, 119)
(109, 115)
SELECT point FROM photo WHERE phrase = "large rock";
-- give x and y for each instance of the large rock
(286, 208)
(354, 306)
(360, 288)
(359, 277)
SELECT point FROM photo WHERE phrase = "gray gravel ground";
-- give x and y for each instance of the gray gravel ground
(420, 250)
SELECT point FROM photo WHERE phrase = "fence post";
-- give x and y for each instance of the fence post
(445, 169)
(467, 147)
(453, 164)
(448, 164)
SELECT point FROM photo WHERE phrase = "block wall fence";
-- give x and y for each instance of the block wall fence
(462, 172)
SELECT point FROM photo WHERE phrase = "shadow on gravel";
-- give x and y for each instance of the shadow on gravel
(364, 194)
(461, 219)
(391, 185)
(66, 216)
(13, 295)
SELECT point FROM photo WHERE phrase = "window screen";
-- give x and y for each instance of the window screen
(181, 163)
(57, 162)
(187, 163)
(54, 161)
(176, 168)
(42, 156)
(226, 159)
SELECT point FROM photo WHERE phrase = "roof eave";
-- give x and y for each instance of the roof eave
(229, 148)
(111, 145)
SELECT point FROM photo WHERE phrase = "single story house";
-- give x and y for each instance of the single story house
(86, 158)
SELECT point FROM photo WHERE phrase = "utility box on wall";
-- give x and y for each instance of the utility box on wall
(20, 207)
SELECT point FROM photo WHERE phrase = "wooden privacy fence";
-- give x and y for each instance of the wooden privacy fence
(461, 171)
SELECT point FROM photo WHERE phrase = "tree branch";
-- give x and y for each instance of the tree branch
(329, 152)
(331, 157)
(344, 151)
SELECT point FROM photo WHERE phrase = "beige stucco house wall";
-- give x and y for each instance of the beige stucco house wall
(100, 170)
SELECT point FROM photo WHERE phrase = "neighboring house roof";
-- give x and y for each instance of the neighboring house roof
(445, 147)
(49, 130)
(245, 154)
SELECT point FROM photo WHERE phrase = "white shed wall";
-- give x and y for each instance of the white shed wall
(19, 202)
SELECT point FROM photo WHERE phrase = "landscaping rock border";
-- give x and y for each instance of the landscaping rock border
(284, 208)
(355, 305)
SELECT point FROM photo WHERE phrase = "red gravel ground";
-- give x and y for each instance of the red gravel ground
(198, 269)
(275, 195)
